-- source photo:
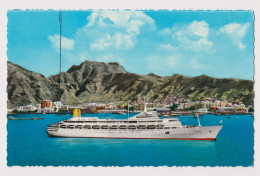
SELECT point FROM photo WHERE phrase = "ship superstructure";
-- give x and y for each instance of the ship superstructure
(145, 125)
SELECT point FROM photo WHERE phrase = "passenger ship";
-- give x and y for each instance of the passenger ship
(145, 125)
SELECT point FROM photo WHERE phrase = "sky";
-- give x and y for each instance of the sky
(216, 43)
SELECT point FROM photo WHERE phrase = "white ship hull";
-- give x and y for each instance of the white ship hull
(183, 133)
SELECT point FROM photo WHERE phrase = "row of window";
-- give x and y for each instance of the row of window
(68, 121)
(116, 127)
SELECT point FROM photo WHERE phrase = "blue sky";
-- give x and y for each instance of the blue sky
(215, 43)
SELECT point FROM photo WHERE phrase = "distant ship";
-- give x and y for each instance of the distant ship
(119, 112)
(145, 125)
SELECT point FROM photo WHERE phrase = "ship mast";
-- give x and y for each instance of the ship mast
(128, 108)
(145, 108)
(60, 20)
(198, 119)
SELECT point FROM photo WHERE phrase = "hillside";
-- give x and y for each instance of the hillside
(99, 81)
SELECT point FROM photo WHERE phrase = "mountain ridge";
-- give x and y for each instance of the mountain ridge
(96, 81)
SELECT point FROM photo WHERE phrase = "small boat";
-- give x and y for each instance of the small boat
(119, 112)
(36, 118)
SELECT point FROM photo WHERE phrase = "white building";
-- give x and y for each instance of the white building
(27, 108)
(38, 106)
(9, 111)
(202, 110)
(45, 110)
(58, 105)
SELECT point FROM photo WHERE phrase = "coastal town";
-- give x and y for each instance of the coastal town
(167, 106)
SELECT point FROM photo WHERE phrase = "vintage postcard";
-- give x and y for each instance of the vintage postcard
(138, 88)
(102, 88)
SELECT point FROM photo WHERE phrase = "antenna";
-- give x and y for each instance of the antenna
(60, 20)
(145, 109)
(128, 108)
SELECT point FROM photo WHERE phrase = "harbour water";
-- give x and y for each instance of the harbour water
(29, 145)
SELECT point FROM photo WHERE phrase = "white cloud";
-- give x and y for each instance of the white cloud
(106, 32)
(192, 37)
(83, 56)
(196, 65)
(236, 32)
(117, 30)
(167, 47)
(199, 28)
(171, 61)
(130, 21)
(201, 45)
(117, 41)
(109, 58)
(162, 63)
(66, 43)
(166, 31)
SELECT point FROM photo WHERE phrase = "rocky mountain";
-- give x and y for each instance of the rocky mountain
(99, 81)
(25, 87)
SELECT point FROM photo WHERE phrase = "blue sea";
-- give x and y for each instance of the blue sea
(29, 145)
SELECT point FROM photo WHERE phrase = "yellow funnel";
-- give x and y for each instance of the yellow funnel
(76, 113)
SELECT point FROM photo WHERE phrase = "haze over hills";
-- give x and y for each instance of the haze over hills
(99, 81)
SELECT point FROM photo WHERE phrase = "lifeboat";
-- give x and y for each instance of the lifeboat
(151, 126)
(87, 127)
(122, 127)
(70, 126)
(141, 127)
(104, 127)
(131, 127)
(63, 126)
(159, 126)
(95, 127)
(78, 127)
(113, 127)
